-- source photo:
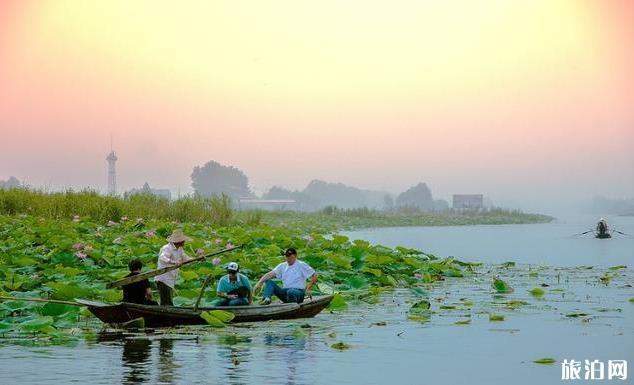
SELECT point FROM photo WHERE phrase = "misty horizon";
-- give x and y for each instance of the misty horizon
(382, 101)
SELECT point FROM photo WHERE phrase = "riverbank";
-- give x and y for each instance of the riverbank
(219, 212)
(364, 218)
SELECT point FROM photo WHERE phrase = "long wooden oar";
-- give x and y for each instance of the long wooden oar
(41, 300)
(154, 273)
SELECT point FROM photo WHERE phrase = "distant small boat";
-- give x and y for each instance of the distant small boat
(602, 235)
(167, 316)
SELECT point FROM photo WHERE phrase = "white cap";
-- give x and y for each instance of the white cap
(232, 266)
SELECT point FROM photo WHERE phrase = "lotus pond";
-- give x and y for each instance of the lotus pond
(401, 315)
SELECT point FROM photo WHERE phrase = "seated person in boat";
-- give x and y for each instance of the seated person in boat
(170, 255)
(293, 274)
(234, 289)
(602, 226)
(138, 292)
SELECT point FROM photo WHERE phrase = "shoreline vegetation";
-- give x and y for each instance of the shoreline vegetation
(68, 245)
(219, 211)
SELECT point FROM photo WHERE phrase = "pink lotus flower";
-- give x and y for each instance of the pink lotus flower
(229, 245)
(216, 261)
(217, 241)
(78, 246)
(418, 276)
(75, 218)
(200, 252)
(112, 223)
(81, 255)
(88, 248)
(35, 276)
(150, 234)
(117, 240)
(123, 219)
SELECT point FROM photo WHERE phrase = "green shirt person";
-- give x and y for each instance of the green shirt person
(234, 289)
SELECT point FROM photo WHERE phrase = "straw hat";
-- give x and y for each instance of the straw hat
(178, 236)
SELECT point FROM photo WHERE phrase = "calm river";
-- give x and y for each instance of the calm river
(579, 317)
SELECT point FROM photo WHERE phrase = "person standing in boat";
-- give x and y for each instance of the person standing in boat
(171, 254)
(293, 274)
(234, 289)
(137, 292)
(602, 227)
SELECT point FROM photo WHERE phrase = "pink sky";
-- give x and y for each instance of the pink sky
(517, 100)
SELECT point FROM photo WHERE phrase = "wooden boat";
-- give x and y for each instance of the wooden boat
(602, 235)
(165, 316)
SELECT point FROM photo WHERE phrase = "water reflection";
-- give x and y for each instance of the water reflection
(235, 350)
(136, 354)
(289, 350)
(166, 366)
(136, 358)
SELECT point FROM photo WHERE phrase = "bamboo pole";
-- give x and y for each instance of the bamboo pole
(154, 273)
(45, 300)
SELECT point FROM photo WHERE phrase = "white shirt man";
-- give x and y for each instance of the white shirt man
(293, 274)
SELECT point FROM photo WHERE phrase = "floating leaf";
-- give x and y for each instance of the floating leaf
(340, 346)
(222, 315)
(576, 315)
(211, 320)
(496, 317)
(57, 309)
(501, 287)
(515, 304)
(422, 305)
(545, 361)
(537, 292)
(357, 282)
(39, 324)
(338, 303)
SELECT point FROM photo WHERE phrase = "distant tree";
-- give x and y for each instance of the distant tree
(214, 179)
(12, 182)
(418, 196)
(388, 202)
(277, 192)
(303, 201)
(335, 194)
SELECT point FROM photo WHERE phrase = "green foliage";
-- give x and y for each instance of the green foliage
(340, 346)
(496, 317)
(67, 259)
(545, 361)
(537, 292)
(501, 287)
(217, 318)
(89, 204)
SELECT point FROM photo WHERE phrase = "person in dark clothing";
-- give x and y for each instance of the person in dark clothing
(137, 292)
(602, 226)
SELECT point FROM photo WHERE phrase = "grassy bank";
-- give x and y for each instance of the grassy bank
(218, 211)
(365, 218)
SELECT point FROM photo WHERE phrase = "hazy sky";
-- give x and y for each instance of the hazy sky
(520, 100)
